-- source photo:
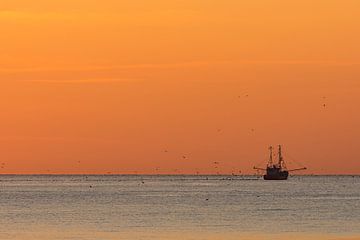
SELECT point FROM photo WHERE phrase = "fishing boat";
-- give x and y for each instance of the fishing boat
(278, 170)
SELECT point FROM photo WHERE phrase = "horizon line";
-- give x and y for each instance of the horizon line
(160, 174)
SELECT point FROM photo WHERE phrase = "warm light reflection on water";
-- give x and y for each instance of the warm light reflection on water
(179, 207)
(43, 234)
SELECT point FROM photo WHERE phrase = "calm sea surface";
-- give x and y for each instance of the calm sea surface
(87, 207)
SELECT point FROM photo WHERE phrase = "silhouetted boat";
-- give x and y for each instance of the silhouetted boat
(277, 171)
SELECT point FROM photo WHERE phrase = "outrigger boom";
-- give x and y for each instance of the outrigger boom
(262, 169)
(297, 169)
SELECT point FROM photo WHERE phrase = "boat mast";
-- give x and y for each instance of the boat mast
(280, 157)
(271, 157)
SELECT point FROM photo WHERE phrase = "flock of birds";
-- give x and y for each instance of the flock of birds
(184, 157)
(216, 163)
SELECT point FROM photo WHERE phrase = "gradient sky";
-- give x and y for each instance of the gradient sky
(90, 86)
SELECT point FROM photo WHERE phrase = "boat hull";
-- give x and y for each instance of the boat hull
(278, 176)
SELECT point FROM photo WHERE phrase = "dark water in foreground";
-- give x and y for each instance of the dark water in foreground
(95, 205)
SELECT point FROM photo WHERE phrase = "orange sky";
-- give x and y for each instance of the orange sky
(90, 86)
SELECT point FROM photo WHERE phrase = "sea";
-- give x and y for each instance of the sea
(178, 207)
